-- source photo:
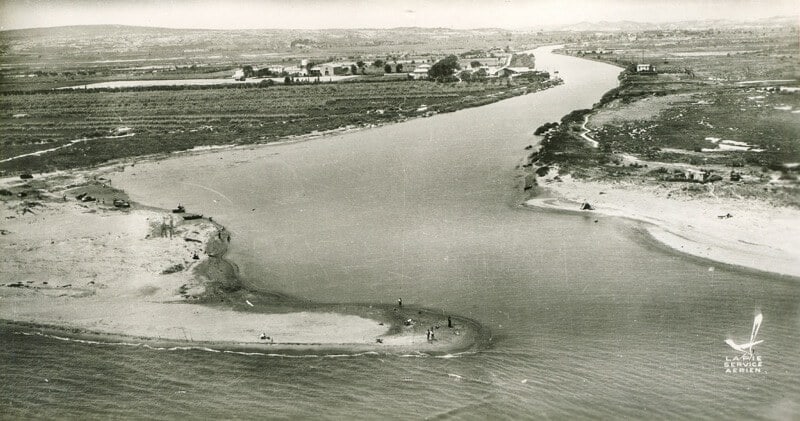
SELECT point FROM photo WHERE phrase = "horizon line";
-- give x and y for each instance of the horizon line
(527, 28)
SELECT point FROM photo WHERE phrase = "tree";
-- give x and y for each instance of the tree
(377, 63)
(287, 80)
(360, 63)
(475, 64)
(387, 68)
(444, 68)
(399, 68)
(248, 71)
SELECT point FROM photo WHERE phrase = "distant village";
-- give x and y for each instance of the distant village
(487, 65)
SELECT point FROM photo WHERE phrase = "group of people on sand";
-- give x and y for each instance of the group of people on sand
(264, 337)
(431, 334)
(167, 226)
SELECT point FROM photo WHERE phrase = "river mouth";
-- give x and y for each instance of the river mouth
(349, 214)
(588, 319)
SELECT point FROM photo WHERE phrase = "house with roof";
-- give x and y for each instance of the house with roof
(645, 68)
(336, 69)
(420, 72)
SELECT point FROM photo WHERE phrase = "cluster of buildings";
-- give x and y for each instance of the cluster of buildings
(415, 71)
(303, 70)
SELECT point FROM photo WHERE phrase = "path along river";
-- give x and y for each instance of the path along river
(588, 319)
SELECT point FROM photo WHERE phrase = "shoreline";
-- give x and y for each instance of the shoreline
(716, 223)
(300, 137)
(90, 270)
(219, 273)
(698, 227)
(480, 340)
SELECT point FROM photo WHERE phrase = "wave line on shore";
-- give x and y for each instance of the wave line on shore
(226, 351)
(209, 189)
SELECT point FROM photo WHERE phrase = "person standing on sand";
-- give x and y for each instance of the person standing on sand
(449, 322)
(400, 302)
(428, 334)
(163, 226)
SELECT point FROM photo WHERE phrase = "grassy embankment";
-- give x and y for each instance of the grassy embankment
(178, 119)
(697, 127)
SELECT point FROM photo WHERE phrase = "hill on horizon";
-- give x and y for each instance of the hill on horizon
(603, 25)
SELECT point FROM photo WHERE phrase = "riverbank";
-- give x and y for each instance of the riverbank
(687, 156)
(740, 232)
(91, 269)
(265, 121)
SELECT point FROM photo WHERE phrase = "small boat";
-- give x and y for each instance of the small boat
(119, 203)
(190, 216)
(179, 209)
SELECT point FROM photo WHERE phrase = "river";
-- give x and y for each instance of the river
(588, 319)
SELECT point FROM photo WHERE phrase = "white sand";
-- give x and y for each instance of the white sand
(192, 322)
(100, 270)
(758, 235)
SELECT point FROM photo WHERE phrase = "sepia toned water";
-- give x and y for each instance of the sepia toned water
(588, 319)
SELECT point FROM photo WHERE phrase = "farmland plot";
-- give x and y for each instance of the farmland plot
(163, 121)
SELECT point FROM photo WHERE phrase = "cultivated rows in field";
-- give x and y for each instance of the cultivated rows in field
(60, 116)
(173, 120)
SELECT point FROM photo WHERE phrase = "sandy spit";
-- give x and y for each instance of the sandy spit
(91, 269)
(740, 232)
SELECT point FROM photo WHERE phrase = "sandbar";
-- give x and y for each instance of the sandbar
(739, 232)
(88, 268)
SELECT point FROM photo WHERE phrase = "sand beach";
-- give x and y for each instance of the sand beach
(88, 268)
(745, 233)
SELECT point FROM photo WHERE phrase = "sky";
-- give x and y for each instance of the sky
(323, 14)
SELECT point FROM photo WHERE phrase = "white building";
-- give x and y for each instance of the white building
(645, 68)
(336, 69)
(296, 71)
(420, 72)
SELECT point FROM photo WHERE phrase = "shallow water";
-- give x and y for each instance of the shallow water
(589, 319)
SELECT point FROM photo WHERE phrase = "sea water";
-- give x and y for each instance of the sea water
(588, 319)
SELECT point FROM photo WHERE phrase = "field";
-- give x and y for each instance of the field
(34, 59)
(720, 116)
(673, 126)
(732, 54)
(177, 119)
(44, 128)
